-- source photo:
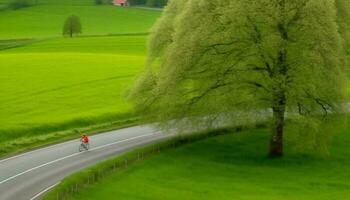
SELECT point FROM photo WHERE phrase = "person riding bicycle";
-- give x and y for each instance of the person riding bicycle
(85, 139)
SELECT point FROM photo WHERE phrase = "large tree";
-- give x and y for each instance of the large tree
(230, 59)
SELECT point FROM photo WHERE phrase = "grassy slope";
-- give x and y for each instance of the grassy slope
(46, 20)
(231, 167)
(118, 45)
(56, 81)
(60, 84)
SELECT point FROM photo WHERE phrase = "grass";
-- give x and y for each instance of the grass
(232, 166)
(34, 140)
(51, 85)
(77, 182)
(13, 43)
(46, 19)
(121, 45)
(56, 84)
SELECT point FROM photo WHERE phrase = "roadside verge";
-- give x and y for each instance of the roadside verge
(20, 145)
(75, 183)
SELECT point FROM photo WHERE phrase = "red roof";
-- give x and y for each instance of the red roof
(119, 1)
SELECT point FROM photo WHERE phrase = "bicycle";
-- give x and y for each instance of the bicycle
(84, 146)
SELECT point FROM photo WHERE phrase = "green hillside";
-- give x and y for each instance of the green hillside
(126, 45)
(50, 83)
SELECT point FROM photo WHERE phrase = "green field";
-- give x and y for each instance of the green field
(46, 19)
(232, 166)
(57, 81)
(50, 83)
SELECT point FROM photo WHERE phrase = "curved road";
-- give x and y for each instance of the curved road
(26, 176)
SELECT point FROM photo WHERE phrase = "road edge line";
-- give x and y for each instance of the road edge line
(45, 190)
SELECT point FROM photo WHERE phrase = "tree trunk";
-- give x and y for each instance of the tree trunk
(276, 143)
(279, 91)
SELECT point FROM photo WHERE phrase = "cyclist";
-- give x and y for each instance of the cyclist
(84, 142)
(85, 139)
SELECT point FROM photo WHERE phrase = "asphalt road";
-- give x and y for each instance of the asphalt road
(26, 176)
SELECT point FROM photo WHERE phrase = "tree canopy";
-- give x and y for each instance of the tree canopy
(233, 59)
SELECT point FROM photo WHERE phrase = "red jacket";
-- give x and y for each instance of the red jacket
(85, 139)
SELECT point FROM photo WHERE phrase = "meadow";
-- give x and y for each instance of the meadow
(47, 18)
(233, 166)
(55, 82)
(50, 83)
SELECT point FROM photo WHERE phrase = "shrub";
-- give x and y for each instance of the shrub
(101, 2)
(157, 3)
(18, 4)
(98, 2)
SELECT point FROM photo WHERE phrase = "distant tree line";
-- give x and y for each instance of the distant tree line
(101, 2)
(137, 2)
(18, 4)
(150, 3)
(157, 3)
